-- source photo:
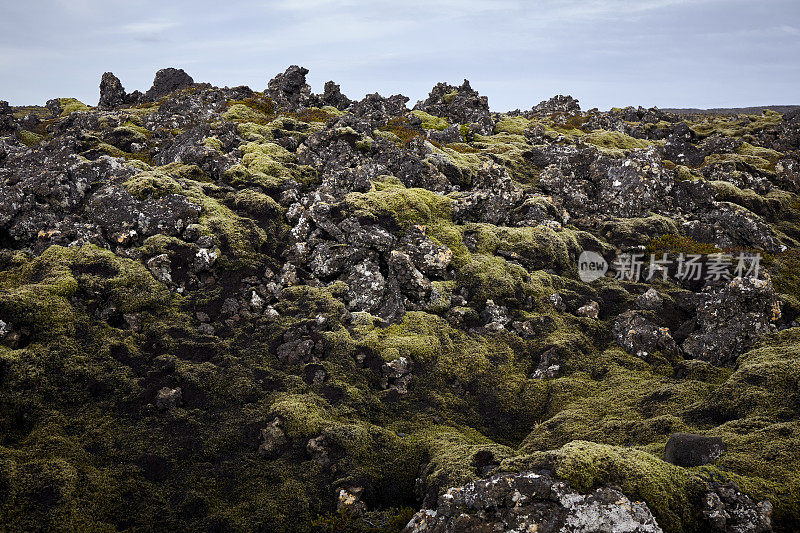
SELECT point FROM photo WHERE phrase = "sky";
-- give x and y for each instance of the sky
(606, 53)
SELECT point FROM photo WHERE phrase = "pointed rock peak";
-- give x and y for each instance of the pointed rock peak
(333, 96)
(290, 89)
(112, 93)
(168, 80)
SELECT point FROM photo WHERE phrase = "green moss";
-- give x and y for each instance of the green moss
(315, 114)
(430, 122)
(400, 205)
(37, 294)
(613, 142)
(493, 278)
(214, 143)
(29, 138)
(243, 113)
(536, 247)
(515, 125)
(734, 126)
(668, 490)
(677, 244)
(242, 240)
(402, 129)
(71, 105)
(259, 109)
(636, 230)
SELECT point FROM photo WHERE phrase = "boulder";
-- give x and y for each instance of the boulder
(529, 501)
(686, 449)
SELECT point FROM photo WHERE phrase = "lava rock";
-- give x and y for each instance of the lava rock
(528, 501)
(168, 81)
(112, 93)
(686, 449)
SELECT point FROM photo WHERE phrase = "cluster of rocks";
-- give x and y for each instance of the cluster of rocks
(529, 501)
(74, 189)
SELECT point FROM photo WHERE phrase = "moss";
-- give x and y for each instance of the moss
(493, 278)
(402, 129)
(37, 294)
(315, 114)
(400, 205)
(676, 244)
(430, 122)
(71, 105)
(636, 230)
(243, 113)
(152, 184)
(515, 125)
(734, 125)
(613, 142)
(259, 109)
(536, 247)
(668, 490)
(242, 240)
(213, 142)
(28, 138)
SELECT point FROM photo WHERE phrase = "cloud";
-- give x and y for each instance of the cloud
(149, 27)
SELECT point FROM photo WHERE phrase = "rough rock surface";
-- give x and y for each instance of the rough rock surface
(532, 502)
(168, 80)
(230, 309)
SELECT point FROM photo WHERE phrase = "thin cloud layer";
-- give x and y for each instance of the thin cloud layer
(699, 53)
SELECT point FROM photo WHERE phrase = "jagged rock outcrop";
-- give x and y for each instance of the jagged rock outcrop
(532, 502)
(167, 81)
(112, 93)
(290, 89)
(460, 105)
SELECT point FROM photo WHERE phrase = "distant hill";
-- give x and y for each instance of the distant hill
(732, 110)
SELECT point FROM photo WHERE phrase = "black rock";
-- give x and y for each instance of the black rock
(686, 449)
(167, 81)
(112, 93)
(333, 96)
(290, 89)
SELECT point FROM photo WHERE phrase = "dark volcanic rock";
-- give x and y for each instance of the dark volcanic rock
(290, 89)
(685, 449)
(731, 319)
(112, 93)
(167, 81)
(333, 96)
(532, 502)
(727, 510)
(461, 105)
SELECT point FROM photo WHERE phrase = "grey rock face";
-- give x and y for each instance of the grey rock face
(333, 96)
(686, 449)
(532, 502)
(640, 337)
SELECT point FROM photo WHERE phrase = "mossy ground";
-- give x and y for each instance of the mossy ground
(82, 446)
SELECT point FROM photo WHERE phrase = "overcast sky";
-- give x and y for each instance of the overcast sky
(669, 53)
